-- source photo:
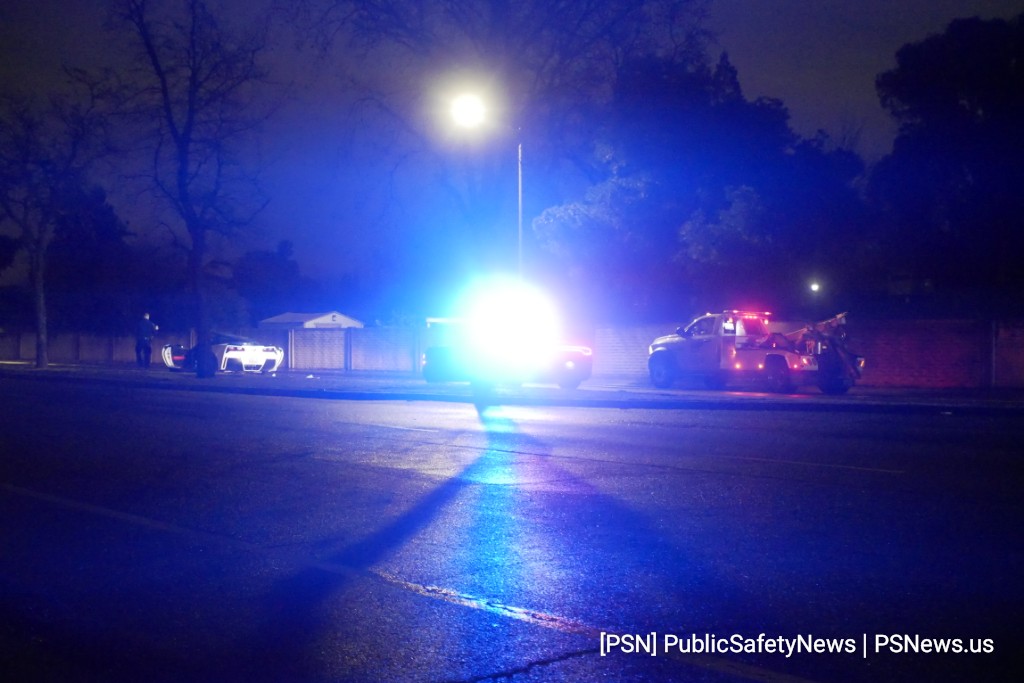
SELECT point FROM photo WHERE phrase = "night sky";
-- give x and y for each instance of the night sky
(819, 57)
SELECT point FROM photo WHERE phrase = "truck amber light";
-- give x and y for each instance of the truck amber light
(739, 366)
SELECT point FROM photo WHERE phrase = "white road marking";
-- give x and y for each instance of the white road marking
(405, 429)
(535, 617)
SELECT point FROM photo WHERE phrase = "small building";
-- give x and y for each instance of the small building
(332, 320)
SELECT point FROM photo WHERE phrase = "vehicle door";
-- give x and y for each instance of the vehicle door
(699, 347)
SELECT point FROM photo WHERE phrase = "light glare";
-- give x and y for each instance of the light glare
(468, 111)
(511, 328)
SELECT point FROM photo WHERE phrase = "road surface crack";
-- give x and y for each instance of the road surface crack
(508, 674)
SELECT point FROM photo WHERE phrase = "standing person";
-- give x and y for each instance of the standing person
(144, 334)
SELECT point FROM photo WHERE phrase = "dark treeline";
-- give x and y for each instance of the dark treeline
(655, 187)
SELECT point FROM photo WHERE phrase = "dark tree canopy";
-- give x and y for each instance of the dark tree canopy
(47, 149)
(90, 268)
(954, 183)
(704, 198)
(269, 281)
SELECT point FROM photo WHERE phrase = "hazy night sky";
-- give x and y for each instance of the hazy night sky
(820, 57)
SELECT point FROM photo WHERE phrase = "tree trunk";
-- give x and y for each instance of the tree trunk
(205, 362)
(38, 275)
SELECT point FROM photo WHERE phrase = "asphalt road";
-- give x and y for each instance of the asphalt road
(167, 534)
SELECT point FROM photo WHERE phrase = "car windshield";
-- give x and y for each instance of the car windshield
(701, 327)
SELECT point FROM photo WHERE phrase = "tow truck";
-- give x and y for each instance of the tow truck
(739, 347)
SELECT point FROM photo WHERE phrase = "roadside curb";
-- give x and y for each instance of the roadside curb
(371, 387)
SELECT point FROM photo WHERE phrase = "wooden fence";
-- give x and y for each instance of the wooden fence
(909, 353)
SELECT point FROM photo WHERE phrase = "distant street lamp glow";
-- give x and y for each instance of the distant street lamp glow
(468, 111)
(815, 287)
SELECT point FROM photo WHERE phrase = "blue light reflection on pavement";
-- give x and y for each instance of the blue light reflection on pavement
(512, 559)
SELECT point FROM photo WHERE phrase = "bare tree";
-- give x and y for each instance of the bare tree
(46, 153)
(194, 91)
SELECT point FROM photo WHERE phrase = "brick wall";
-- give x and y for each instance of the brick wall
(919, 353)
(924, 353)
(1009, 354)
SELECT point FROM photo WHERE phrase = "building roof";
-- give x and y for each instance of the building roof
(329, 319)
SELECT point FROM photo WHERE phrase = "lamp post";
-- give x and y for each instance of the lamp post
(469, 111)
(519, 201)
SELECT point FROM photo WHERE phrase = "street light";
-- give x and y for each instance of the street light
(469, 111)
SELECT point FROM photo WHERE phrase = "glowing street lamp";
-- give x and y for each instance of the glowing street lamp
(469, 111)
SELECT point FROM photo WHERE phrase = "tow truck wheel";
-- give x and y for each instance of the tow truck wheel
(777, 375)
(662, 373)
